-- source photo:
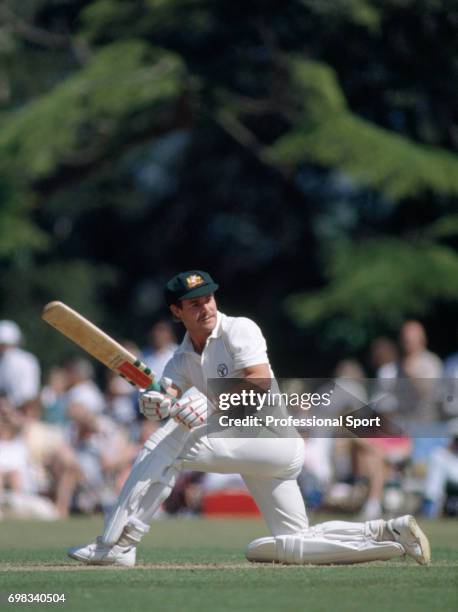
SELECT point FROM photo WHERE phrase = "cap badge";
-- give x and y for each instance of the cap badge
(194, 281)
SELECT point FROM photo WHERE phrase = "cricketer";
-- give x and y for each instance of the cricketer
(234, 347)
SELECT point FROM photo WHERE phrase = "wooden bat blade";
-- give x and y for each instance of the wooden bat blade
(98, 344)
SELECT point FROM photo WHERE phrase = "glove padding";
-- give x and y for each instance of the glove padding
(190, 411)
(154, 405)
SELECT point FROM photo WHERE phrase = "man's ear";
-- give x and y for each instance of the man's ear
(176, 312)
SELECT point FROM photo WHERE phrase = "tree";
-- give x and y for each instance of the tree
(304, 152)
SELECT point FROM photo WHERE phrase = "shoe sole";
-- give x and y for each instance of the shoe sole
(420, 536)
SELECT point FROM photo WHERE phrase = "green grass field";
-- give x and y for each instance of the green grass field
(194, 564)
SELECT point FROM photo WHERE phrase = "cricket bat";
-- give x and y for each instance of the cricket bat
(99, 344)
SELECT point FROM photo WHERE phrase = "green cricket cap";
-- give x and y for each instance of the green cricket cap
(188, 285)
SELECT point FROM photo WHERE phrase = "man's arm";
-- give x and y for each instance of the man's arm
(191, 411)
(261, 371)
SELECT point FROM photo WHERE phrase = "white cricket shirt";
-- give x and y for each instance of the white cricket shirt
(234, 344)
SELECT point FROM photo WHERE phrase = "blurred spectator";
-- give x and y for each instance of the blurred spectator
(451, 366)
(162, 345)
(327, 457)
(17, 487)
(417, 362)
(442, 473)
(422, 368)
(81, 388)
(378, 459)
(408, 385)
(14, 473)
(448, 395)
(102, 452)
(131, 347)
(52, 462)
(373, 459)
(350, 386)
(19, 370)
(384, 358)
(120, 400)
(417, 371)
(192, 487)
(53, 396)
(350, 395)
(186, 495)
(318, 470)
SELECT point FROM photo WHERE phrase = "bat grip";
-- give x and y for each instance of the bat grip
(155, 386)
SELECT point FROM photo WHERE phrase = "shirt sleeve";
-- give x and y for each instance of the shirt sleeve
(174, 371)
(247, 344)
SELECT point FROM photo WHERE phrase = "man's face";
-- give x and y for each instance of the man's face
(413, 337)
(198, 314)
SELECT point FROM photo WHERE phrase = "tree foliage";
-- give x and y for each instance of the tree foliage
(377, 282)
(304, 152)
(329, 134)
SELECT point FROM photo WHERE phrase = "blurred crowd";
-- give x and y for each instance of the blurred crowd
(67, 445)
(416, 469)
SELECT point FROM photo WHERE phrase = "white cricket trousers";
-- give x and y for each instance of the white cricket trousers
(269, 467)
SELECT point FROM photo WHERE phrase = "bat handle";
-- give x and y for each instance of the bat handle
(155, 386)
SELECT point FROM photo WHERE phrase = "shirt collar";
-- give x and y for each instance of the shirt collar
(217, 329)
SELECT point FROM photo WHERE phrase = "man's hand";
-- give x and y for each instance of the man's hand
(155, 405)
(190, 410)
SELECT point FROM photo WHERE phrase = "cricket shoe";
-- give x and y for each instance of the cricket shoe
(407, 532)
(98, 553)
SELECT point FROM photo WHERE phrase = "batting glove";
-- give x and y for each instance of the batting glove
(154, 405)
(190, 411)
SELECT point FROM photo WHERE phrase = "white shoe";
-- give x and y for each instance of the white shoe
(407, 532)
(98, 553)
(262, 550)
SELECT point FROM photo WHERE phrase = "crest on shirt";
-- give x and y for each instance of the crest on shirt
(222, 370)
(194, 280)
